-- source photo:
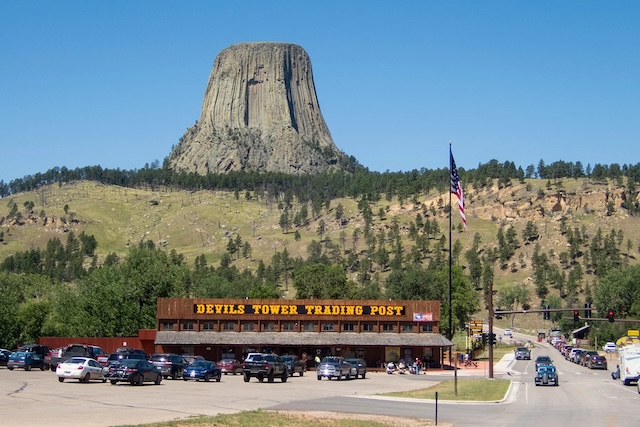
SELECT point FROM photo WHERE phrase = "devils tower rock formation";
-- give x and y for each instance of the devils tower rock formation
(260, 113)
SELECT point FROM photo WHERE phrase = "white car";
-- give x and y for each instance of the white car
(609, 347)
(83, 369)
(508, 333)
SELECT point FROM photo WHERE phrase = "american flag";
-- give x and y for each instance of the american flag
(456, 188)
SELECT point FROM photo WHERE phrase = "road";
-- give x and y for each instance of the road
(584, 397)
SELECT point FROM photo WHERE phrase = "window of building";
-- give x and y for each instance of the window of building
(288, 326)
(208, 326)
(387, 327)
(407, 327)
(228, 326)
(348, 327)
(368, 327)
(166, 326)
(187, 326)
(328, 327)
(268, 326)
(427, 327)
(249, 326)
(309, 326)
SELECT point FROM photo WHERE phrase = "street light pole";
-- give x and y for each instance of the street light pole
(490, 340)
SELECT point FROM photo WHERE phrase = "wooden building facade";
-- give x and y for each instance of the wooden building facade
(376, 330)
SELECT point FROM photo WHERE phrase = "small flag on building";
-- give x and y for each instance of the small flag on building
(456, 188)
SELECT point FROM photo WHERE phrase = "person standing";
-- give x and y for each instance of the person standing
(417, 363)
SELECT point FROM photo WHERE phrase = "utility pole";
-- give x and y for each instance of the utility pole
(490, 340)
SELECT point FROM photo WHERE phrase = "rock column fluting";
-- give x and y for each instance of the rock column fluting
(260, 113)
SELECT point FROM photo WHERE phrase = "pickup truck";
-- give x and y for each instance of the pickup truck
(334, 367)
(75, 350)
(263, 366)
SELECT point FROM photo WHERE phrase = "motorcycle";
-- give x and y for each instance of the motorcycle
(402, 368)
(391, 368)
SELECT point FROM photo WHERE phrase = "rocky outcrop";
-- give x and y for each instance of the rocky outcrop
(260, 113)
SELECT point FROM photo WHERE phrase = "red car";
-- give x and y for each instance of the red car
(230, 366)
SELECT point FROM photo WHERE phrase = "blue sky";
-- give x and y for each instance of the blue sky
(117, 83)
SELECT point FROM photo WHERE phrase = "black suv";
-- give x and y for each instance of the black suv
(170, 364)
(123, 354)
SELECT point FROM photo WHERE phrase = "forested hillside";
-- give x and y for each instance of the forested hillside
(87, 252)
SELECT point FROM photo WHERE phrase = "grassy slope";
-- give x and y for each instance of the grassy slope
(195, 223)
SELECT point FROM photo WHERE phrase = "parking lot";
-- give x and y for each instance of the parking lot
(37, 398)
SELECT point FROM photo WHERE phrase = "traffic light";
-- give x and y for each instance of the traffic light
(498, 316)
(492, 339)
(576, 315)
(587, 313)
(546, 315)
(484, 339)
(610, 316)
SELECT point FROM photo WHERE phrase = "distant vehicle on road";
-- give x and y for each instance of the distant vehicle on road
(543, 361)
(508, 333)
(609, 347)
(597, 362)
(522, 353)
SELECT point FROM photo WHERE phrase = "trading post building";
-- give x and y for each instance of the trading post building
(376, 330)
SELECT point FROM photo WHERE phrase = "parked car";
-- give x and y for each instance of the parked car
(508, 333)
(546, 375)
(294, 364)
(42, 351)
(597, 362)
(190, 358)
(570, 354)
(230, 366)
(334, 367)
(170, 364)
(202, 370)
(26, 360)
(4, 356)
(576, 353)
(609, 347)
(584, 357)
(83, 369)
(358, 367)
(133, 371)
(103, 359)
(115, 358)
(543, 361)
(522, 353)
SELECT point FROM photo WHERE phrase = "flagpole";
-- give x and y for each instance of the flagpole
(450, 261)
